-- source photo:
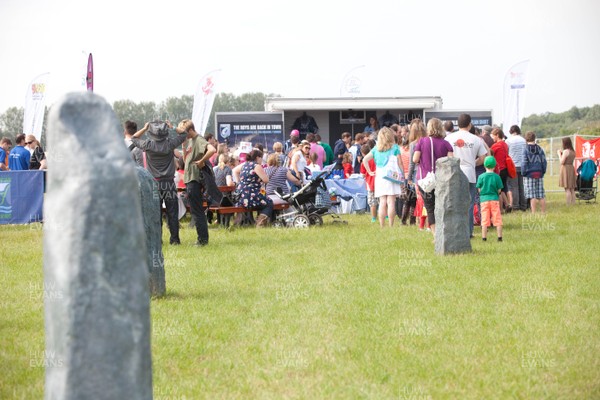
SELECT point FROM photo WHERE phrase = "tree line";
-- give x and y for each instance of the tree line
(173, 109)
(583, 121)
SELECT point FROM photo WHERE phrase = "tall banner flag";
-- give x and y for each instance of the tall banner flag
(515, 85)
(89, 77)
(204, 98)
(35, 100)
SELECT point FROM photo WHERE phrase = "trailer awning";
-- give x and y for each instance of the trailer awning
(360, 103)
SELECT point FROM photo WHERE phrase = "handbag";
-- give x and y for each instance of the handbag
(510, 166)
(392, 171)
(427, 184)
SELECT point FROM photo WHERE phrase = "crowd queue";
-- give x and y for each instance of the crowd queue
(196, 164)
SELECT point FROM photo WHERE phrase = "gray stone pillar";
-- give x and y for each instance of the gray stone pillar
(98, 329)
(452, 199)
(151, 215)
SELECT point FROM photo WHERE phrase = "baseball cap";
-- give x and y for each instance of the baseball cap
(487, 128)
(489, 162)
(295, 132)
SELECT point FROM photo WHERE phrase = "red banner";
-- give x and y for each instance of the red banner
(587, 148)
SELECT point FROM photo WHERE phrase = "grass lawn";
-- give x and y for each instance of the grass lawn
(351, 312)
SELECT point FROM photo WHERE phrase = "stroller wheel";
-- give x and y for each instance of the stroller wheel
(315, 219)
(277, 224)
(301, 221)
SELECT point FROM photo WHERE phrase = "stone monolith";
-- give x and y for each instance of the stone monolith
(98, 329)
(452, 200)
(151, 214)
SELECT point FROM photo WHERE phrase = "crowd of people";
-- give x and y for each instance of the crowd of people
(203, 167)
(483, 153)
(25, 155)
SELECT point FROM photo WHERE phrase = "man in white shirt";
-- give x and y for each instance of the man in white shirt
(516, 145)
(472, 151)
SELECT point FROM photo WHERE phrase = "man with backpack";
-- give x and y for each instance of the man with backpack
(160, 162)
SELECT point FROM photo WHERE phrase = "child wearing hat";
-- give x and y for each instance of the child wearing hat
(490, 185)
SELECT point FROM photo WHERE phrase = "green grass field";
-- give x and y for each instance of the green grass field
(351, 312)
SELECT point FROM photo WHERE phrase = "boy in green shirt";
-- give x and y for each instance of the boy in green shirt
(489, 185)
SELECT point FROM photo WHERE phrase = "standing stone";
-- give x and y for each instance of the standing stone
(151, 215)
(452, 201)
(98, 329)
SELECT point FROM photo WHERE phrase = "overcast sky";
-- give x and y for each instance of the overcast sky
(459, 50)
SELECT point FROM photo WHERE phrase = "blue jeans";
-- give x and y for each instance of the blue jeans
(472, 192)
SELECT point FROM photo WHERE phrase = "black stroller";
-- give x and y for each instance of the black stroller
(308, 205)
(587, 181)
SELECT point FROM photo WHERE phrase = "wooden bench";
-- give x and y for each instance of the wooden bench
(225, 213)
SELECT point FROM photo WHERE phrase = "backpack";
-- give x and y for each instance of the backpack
(510, 166)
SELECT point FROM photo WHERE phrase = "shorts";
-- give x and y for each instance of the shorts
(371, 199)
(490, 212)
(534, 188)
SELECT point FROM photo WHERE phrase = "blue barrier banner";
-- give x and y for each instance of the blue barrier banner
(353, 191)
(21, 196)
(347, 188)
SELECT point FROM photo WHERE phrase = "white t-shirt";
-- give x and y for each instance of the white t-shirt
(468, 148)
(516, 144)
(354, 151)
(300, 163)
